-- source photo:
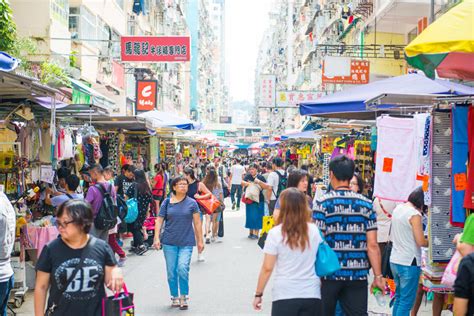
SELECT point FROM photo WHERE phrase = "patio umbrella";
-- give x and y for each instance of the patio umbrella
(447, 45)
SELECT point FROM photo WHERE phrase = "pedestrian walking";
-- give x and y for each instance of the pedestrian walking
(311, 181)
(197, 191)
(124, 180)
(95, 196)
(71, 184)
(73, 269)
(291, 249)
(211, 181)
(277, 179)
(158, 185)
(405, 260)
(297, 179)
(254, 211)
(237, 172)
(141, 191)
(182, 231)
(353, 236)
(7, 239)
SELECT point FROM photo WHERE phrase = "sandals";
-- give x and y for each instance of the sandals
(175, 302)
(183, 300)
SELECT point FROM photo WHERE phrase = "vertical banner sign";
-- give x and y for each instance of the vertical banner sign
(146, 95)
(267, 90)
(155, 48)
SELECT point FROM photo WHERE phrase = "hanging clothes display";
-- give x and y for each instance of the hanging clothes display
(442, 232)
(422, 145)
(468, 203)
(459, 164)
(395, 173)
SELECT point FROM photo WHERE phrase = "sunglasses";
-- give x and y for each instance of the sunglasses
(63, 225)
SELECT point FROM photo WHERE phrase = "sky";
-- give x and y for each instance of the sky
(246, 21)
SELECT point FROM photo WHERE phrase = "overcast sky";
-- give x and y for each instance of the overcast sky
(246, 21)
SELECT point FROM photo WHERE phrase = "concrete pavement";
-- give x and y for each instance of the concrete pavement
(222, 285)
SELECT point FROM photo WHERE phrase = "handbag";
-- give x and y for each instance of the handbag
(209, 205)
(119, 304)
(387, 252)
(245, 200)
(132, 206)
(220, 232)
(58, 299)
(327, 262)
(253, 192)
(450, 274)
(268, 223)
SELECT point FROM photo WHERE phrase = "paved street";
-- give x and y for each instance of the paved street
(223, 285)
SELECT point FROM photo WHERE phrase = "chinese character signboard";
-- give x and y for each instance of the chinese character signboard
(146, 95)
(267, 90)
(155, 48)
(293, 98)
(359, 71)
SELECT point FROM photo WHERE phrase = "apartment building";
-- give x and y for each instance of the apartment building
(83, 36)
(305, 32)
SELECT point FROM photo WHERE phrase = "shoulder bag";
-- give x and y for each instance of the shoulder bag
(387, 252)
(327, 262)
(58, 299)
(132, 208)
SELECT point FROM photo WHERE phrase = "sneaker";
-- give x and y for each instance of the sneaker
(218, 240)
(132, 250)
(183, 303)
(121, 262)
(175, 302)
(141, 250)
(233, 206)
(213, 239)
(208, 240)
(201, 257)
(120, 242)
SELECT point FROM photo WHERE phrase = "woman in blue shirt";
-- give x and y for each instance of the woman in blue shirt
(181, 232)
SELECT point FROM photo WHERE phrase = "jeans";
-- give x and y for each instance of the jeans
(297, 307)
(236, 188)
(406, 281)
(351, 295)
(5, 288)
(178, 260)
(137, 235)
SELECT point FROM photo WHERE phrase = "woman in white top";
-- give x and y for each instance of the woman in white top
(405, 260)
(290, 248)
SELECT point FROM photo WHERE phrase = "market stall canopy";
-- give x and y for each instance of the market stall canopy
(307, 135)
(82, 94)
(7, 62)
(351, 102)
(447, 45)
(161, 119)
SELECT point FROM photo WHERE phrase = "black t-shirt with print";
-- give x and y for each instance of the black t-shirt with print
(85, 292)
(123, 184)
(464, 284)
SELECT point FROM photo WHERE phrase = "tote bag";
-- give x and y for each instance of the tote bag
(253, 192)
(119, 304)
(210, 205)
(327, 262)
(450, 274)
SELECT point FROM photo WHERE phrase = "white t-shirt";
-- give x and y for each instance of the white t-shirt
(404, 244)
(274, 180)
(237, 172)
(382, 208)
(294, 274)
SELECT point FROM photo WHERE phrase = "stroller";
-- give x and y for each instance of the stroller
(149, 226)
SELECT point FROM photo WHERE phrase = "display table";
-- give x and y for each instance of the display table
(37, 237)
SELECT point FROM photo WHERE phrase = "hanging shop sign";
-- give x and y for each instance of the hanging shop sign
(343, 70)
(155, 48)
(293, 98)
(267, 90)
(146, 95)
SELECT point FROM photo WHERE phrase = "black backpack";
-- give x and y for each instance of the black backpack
(282, 183)
(106, 218)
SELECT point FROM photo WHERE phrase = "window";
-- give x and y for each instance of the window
(83, 24)
(60, 10)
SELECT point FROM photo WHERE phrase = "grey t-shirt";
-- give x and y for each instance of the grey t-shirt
(178, 221)
(60, 199)
(7, 237)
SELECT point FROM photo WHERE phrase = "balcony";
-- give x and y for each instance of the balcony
(400, 16)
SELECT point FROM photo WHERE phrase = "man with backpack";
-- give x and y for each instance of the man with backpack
(277, 180)
(102, 197)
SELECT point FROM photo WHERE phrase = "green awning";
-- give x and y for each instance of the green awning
(83, 94)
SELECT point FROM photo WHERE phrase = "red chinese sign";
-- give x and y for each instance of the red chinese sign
(359, 74)
(155, 48)
(146, 95)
